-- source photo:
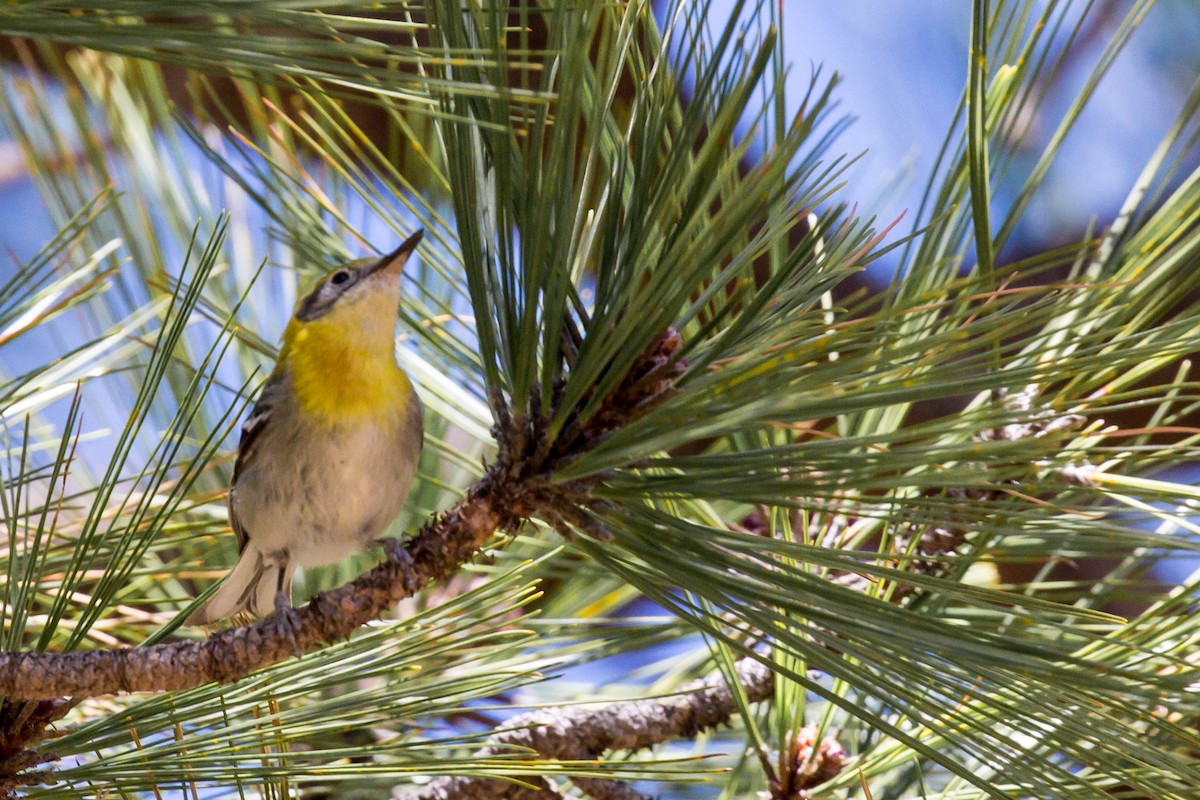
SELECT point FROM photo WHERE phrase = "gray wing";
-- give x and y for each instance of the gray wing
(252, 428)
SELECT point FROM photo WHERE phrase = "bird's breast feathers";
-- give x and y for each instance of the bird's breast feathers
(322, 497)
(340, 376)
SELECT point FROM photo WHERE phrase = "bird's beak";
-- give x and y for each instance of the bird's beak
(395, 261)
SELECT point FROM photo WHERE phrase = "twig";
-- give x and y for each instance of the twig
(578, 734)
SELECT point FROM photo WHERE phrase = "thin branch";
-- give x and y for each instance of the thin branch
(514, 488)
(440, 549)
(579, 734)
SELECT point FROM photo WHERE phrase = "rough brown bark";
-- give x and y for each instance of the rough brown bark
(440, 549)
(583, 734)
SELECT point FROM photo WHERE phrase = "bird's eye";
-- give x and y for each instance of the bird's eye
(340, 277)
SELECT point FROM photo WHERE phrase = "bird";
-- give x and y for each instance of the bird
(327, 455)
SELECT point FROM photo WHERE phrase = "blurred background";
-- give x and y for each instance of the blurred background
(903, 71)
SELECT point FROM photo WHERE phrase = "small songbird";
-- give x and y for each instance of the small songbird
(327, 456)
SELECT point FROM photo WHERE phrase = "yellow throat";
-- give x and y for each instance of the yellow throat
(343, 365)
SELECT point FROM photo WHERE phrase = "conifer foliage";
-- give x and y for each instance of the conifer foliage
(698, 515)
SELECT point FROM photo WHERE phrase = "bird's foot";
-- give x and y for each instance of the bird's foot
(398, 554)
(287, 620)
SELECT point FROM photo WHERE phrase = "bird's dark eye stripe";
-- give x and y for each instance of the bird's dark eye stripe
(340, 277)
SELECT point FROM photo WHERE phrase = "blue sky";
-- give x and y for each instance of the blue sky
(902, 65)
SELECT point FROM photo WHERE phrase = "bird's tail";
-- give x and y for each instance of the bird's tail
(251, 586)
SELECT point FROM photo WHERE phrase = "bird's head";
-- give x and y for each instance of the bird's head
(339, 347)
(366, 287)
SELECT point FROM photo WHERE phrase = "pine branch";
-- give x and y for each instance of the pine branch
(442, 546)
(545, 789)
(579, 734)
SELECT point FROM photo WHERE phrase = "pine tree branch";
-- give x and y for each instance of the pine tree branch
(579, 734)
(441, 548)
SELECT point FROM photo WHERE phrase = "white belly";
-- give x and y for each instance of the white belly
(318, 500)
